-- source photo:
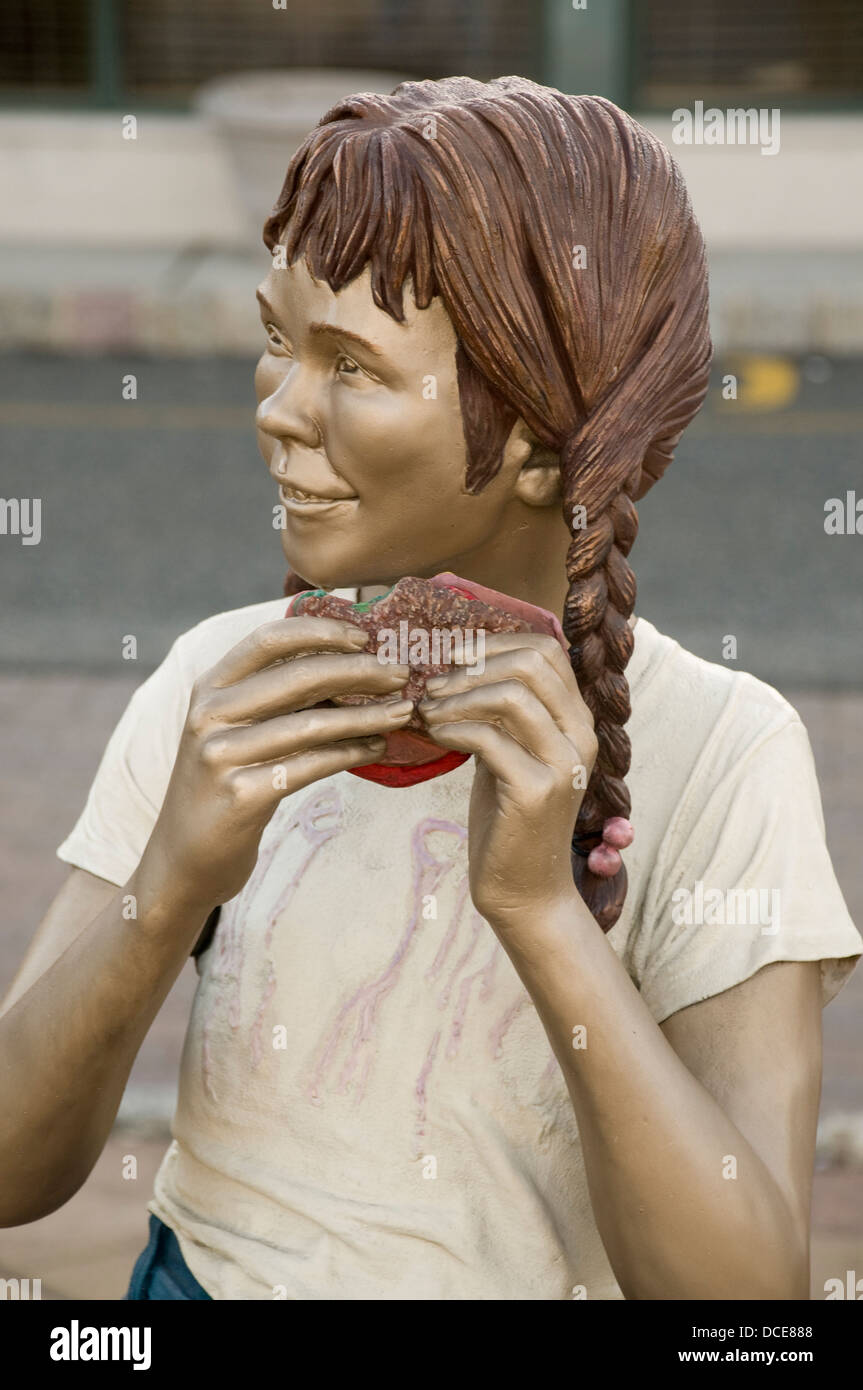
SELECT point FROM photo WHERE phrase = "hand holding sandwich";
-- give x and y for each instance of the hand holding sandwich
(525, 719)
(261, 725)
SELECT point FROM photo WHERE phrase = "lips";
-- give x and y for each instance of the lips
(292, 493)
(298, 502)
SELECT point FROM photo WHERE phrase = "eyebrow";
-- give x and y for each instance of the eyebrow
(328, 329)
(333, 331)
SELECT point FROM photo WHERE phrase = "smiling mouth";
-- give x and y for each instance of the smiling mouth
(296, 497)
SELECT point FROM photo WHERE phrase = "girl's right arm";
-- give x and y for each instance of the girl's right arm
(105, 958)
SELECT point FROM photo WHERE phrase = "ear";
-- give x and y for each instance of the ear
(538, 482)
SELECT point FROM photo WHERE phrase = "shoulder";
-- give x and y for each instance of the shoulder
(716, 754)
(683, 702)
(158, 707)
(201, 646)
(130, 784)
(732, 869)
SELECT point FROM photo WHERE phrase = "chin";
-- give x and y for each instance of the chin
(342, 574)
(326, 576)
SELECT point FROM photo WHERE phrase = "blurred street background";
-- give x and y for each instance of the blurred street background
(141, 144)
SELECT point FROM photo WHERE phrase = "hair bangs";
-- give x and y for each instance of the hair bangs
(352, 199)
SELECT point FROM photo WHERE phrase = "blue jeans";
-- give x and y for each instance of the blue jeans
(160, 1271)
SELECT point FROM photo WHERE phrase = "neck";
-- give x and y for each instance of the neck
(527, 560)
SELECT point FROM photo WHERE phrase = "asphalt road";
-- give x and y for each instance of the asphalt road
(157, 512)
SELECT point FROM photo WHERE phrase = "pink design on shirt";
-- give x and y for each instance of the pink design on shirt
(420, 1088)
(311, 814)
(552, 1068)
(450, 934)
(319, 817)
(502, 1027)
(484, 973)
(478, 923)
(360, 1011)
(350, 1039)
(258, 1021)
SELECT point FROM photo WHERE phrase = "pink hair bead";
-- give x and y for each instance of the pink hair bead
(618, 832)
(604, 861)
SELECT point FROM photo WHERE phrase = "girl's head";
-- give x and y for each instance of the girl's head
(553, 240)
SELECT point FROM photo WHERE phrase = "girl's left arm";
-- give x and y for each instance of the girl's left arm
(698, 1134)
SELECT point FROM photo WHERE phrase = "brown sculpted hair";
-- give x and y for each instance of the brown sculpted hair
(560, 237)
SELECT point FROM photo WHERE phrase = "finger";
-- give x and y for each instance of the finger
(528, 665)
(280, 641)
(277, 779)
(294, 733)
(512, 705)
(295, 685)
(542, 642)
(508, 762)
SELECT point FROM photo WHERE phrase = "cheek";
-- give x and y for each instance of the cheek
(401, 440)
(267, 378)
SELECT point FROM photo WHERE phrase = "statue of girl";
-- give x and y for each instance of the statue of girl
(439, 1048)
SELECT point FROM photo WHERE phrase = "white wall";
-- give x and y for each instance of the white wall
(784, 233)
(74, 174)
(807, 196)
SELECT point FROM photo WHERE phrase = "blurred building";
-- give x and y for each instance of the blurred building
(222, 91)
(648, 54)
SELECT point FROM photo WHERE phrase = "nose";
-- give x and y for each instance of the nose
(285, 414)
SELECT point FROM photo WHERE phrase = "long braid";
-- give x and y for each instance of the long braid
(599, 602)
(608, 463)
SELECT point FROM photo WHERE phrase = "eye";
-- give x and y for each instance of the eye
(347, 365)
(275, 341)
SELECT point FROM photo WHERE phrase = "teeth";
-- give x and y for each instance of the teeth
(296, 494)
(299, 496)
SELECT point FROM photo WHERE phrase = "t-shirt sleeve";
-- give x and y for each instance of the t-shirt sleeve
(126, 796)
(744, 879)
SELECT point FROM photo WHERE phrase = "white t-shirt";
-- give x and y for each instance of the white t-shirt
(369, 1106)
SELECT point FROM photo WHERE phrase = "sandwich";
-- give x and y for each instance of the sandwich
(431, 625)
